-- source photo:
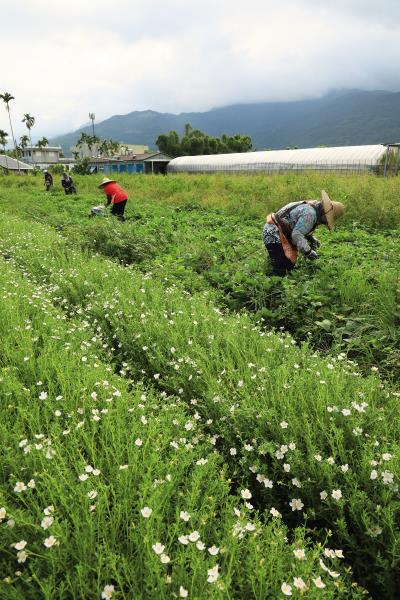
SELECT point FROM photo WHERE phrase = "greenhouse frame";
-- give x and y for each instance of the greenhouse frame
(349, 159)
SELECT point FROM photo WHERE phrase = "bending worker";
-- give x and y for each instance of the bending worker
(289, 230)
(116, 196)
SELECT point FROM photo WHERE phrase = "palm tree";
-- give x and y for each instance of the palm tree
(3, 142)
(29, 122)
(43, 142)
(92, 117)
(6, 97)
(84, 139)
(23, 141)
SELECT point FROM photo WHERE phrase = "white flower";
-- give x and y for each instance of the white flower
(275, 513)
(387, 477)
(330, 460)
(47, 522)
(146, 512)
(3, 513)
(296, 482)
(10, 523)
(92, 494)
(299, 553)
(19, 487)
(200, 545)
(202, 461)
(286, 468)
(213, 550)
(212, 574)
(386, 456)
(96, 472)
(233, 451)
(22, 556)
(182, 592)
(374, 474)
(318, 457)
(123, 467)
(319, 583)
(165, 559)
(49, 510)
(83, 477)
(194, 536)
(286, 589)
(296, 504)
(183, 539)
(20, 545)
(246, 494)
(299, 583)
(184, 515)
(108, 591)
(346, 412)
(138, 442)
(283, 424)
(43, 396)
(336, 494)
(158, 548)
(50, 541)
(323, 495)
(344, 468)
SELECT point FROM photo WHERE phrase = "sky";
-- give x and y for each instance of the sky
(62, 60)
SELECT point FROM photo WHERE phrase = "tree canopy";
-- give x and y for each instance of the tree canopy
(196, 142)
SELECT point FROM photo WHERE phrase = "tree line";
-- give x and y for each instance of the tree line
(195, 142)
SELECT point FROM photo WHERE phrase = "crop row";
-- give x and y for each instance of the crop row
(107, 483)
(336, 304)
(309, 435)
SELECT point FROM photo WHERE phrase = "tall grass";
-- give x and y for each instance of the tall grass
(315, 429)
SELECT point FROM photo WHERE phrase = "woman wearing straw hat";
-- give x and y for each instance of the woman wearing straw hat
(116, 196)
(289, 230)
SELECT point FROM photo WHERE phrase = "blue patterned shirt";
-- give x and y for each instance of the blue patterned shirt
(302, 220)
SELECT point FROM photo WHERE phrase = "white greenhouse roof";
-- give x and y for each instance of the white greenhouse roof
(344, 157)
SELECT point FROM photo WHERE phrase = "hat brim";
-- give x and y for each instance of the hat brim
(105, 182)
(328, 210)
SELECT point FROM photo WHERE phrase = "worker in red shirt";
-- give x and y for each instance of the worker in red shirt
(116, 196)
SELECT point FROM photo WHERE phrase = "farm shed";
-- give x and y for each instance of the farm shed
(8, 164)
(344, 158)
(148, 163)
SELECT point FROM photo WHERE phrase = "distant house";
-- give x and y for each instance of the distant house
(147, 163)
(8, 164)
(83, 151)
(41, 157)
(68, 162)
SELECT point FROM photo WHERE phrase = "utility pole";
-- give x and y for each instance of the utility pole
(92, 117)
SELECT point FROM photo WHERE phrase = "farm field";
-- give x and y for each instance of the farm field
(179, 423)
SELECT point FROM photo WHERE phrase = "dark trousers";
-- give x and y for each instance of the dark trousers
(118, 209)
(281, 265)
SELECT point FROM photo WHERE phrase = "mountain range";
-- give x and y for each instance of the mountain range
(341, 118)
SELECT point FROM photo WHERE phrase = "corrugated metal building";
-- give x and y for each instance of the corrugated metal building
(345, 158)
(148, 163)
(11, 164)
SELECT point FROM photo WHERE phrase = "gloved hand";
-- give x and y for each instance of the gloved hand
(312, 255)
(314, 243)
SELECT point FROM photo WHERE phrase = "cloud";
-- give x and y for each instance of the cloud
(66, 59)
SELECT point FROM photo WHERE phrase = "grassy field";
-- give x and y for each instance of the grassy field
(179, 423)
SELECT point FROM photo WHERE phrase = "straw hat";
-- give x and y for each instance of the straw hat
(332, 210)
(106, 180)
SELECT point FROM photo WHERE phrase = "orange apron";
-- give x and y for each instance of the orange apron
(289, 249)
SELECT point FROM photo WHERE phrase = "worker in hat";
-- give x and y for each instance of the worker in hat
(48, 180)
(290, 231)
(116, 196)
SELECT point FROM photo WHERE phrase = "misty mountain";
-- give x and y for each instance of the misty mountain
(341, 118)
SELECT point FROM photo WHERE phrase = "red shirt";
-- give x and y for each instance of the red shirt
(116, 192)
